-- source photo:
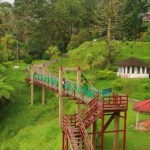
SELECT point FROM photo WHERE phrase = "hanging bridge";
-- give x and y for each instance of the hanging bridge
(96, 106)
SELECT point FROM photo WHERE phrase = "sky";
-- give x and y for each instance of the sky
(10, 1)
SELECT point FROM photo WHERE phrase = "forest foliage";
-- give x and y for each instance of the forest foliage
(38, 25)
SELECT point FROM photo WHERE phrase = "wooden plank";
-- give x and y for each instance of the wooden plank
(70, 69)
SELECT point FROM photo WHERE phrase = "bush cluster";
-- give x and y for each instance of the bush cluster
(77, 39)
(7, 64)
(117, 86)
(51, 52)
(2, 68)
(146, 86)
(105, 75)
(28, 60)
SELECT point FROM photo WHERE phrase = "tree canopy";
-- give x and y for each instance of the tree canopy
(39, 24)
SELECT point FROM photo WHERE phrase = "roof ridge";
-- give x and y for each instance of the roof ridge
(143, 104)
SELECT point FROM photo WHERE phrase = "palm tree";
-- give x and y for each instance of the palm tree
(5, 91)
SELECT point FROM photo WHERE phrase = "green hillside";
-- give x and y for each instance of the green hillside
(26, 127)
(90, 53)
(96, 50)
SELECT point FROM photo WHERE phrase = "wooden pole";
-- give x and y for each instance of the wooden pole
(78, 86)
(43, 88)
(32, 85)
(137, 119)
(79, 77)
(93, 136)
(116, 128)
(60, 96)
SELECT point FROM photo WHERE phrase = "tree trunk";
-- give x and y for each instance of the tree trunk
(109, 33)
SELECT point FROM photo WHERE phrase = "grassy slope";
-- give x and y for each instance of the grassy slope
(124, 50)
(34, 128)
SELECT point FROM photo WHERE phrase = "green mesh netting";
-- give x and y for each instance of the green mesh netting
(87, 90)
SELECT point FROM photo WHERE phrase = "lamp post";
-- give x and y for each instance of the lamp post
(17, 54)
(17, 66)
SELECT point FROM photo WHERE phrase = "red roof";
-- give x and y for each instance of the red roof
(143, 106)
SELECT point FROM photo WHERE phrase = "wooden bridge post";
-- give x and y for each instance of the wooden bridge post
(32, 85)
(60, 96)
(78, 86)
(43, 88)
(116, 128)
(79, 77)
(137, 119)
(93, 136)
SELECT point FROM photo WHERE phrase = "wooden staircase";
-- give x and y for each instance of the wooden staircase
(74, 126)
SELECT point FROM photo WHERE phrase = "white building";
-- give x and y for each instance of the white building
(133, 68)
(146, 17)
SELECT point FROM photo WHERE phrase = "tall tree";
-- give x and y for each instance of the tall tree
(109, 18)
(5, 18)
(33, 24)
(134, 9)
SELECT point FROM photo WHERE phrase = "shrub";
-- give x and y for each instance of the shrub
(7, 64)
(78, 39)
(116, 86)
(11, 57)
(105, 75)
(147, 96)
(28, 60)
(46, 55)
(51, 52)
(146, 86)
(2, 68)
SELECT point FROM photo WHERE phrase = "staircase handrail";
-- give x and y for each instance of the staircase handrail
(91, 111)
(67, 129)
(92, 104)
(84, 133)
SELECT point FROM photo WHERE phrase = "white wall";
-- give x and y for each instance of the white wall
(124, 73)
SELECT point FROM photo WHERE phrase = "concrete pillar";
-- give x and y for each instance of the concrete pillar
(126, 69)
(32, 85)
(135, 70)
(60, 96)
(141, 70)
(121, 69)
(116, 128)
(145, 70)
(130, 69)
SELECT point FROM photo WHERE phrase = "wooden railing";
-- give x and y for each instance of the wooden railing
(115, 101)
(68, 131)
(84, 134)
